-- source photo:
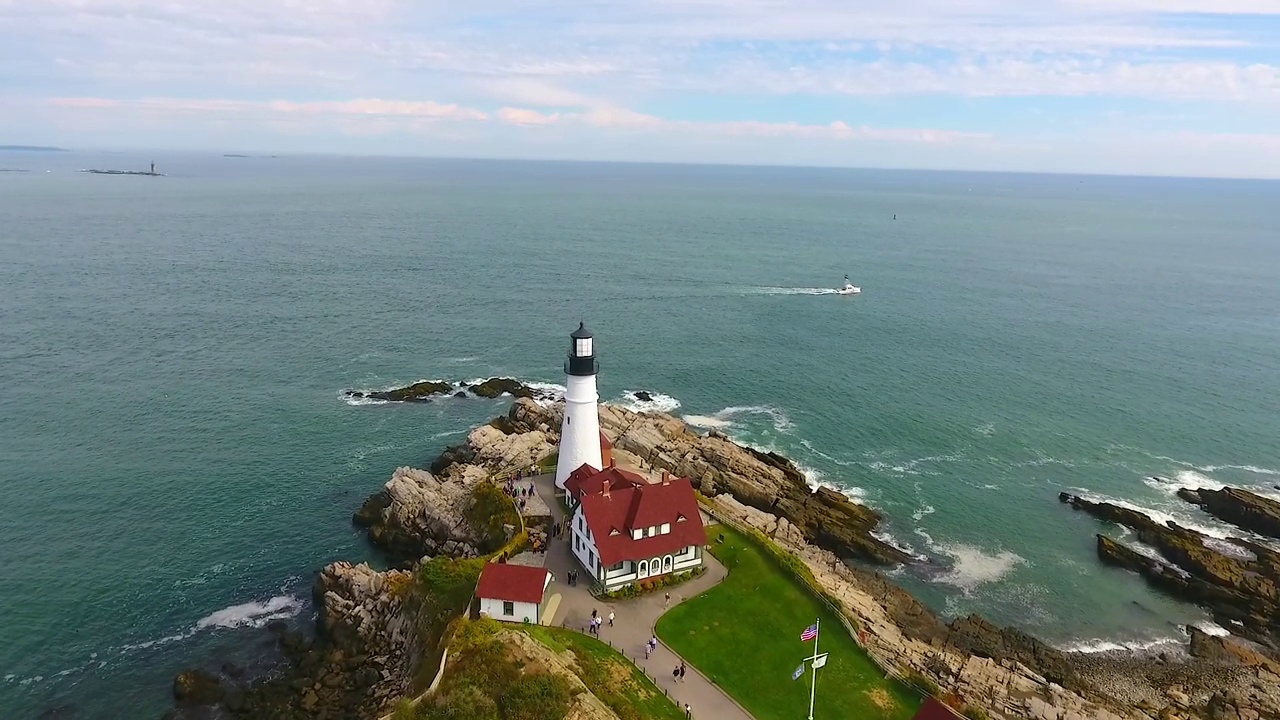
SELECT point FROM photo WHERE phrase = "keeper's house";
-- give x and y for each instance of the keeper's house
(513, 593)
(626, 528)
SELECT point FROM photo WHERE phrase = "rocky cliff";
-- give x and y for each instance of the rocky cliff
(363, 658)
(1239, 507)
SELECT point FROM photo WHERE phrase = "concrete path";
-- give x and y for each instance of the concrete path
(634, 622)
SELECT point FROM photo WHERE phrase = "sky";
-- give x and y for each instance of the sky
(1153, 87)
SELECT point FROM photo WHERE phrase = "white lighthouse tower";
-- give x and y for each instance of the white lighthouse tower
(580, 429)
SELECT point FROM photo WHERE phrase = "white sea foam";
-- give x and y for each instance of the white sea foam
(547, 393)
(658, 402)
(359, 401)
(252, 614)
(708, 422)
(789, 291)
(974, 566)
(1220, 532)
(986, 429)
(1211, 628)
(919, 515)
(1247, 468)
(809, 446)
(1101, 646)
(892, 541)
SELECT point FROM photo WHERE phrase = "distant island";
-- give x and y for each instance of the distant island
(32, 148)
(237, 155)
(151, 173)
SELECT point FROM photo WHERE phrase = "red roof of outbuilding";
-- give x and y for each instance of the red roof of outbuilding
(639, 505)
(604, 442)
(517, 583)
(934, 710)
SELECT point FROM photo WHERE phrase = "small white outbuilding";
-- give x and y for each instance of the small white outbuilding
(513, 593)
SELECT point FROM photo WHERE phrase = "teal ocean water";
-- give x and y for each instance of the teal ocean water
(177, 461)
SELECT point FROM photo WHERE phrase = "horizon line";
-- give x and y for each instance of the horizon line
(269, 154)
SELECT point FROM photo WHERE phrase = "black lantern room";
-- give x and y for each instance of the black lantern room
(582, 358)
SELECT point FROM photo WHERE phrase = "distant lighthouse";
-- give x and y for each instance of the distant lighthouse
(580, 429)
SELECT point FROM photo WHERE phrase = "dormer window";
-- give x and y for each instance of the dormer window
(666, 528)
(613, 532)
(637, 534)
(652, 530)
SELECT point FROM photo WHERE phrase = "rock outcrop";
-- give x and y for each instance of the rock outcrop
(363, 658)
(427, 390)
(418, 392)
(1242, 508)
(1242, 589)
(197, 687)
(417, 514)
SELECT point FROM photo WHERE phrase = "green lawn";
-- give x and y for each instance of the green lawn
(744, 634)
(611, 677)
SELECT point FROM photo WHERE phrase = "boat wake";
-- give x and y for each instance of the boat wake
(790, 291)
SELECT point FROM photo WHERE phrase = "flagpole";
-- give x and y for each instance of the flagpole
(813, 688)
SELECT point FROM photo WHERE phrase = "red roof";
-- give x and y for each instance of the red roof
(587, 480)
(517, 583)
(639, 504)
(934, 710)
(604, 442)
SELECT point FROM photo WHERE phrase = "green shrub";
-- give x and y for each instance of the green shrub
(973, 712)
(465, 702)
(648, 585)
(536, 697)
(491, 509)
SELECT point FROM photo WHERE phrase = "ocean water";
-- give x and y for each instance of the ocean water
(177, 461)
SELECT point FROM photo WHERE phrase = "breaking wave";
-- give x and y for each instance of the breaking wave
(972, 566)
(252, 614)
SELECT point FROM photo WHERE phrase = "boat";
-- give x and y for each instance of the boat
(848, 288)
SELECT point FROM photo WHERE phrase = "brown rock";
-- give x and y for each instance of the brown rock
(1239, 507)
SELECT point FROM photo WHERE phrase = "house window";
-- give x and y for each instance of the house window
(666, 528)
(508, 608)
(592, 556)
(637, 534)
(652, 529)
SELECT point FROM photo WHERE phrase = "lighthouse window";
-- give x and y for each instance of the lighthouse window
(582, 347)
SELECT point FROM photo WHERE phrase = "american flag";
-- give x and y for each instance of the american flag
(809, 633)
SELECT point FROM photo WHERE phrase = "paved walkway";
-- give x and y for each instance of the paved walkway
(634, 622)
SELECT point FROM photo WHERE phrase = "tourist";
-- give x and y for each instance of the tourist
(688, 712)
(647, 650)
(675, 675)
(610, 618)
(594, 615)
(681, 671)
(666, 600)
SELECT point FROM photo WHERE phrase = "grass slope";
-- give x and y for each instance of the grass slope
(615, 680)
(744, 634)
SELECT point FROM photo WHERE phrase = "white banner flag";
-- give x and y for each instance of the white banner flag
(819, 661)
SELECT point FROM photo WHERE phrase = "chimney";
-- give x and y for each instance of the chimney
(612, 462)
(666, 479)
(605, 492)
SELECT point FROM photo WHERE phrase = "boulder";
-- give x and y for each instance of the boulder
(416, 513)
(197, 687)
